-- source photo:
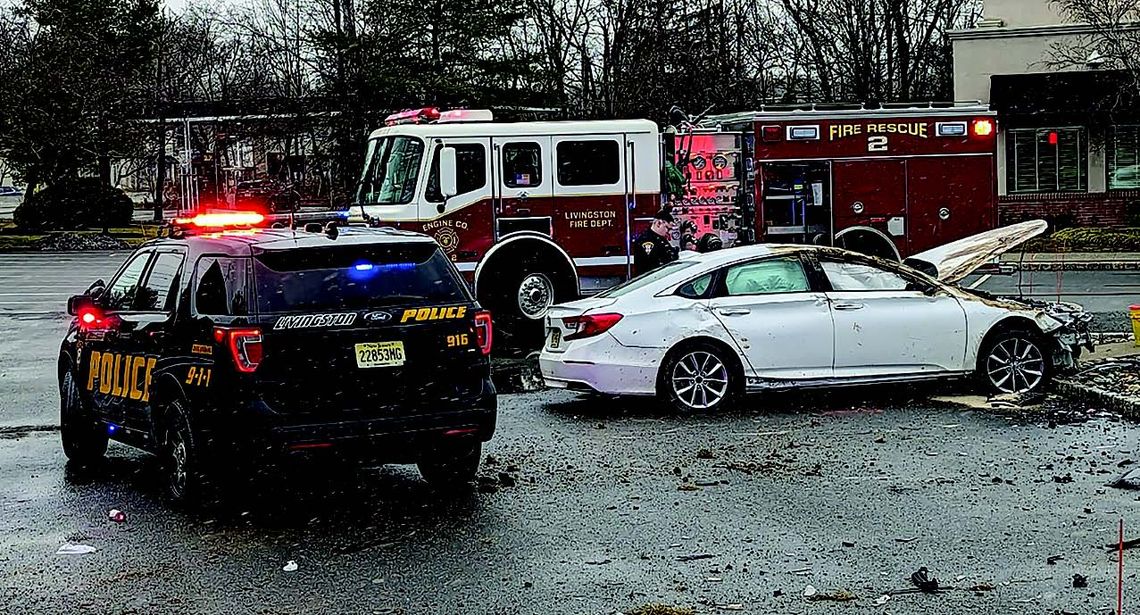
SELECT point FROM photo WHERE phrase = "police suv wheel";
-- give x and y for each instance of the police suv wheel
(84, 440)
(183, 468)
(449, 468)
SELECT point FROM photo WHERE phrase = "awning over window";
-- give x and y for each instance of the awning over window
(1064, 98)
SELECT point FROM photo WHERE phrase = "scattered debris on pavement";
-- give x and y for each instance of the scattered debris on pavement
(692, 557)
(1080, 581)
(881, 600)
(1128, 480)
(1053, 559)
(290, 566)
(70, 549)
(809, 591)
(117, 515)
(660, 609)
(922, 580)
(839, 595)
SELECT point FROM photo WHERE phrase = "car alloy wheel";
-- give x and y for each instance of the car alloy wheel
(179, 456)
(1015, 365)
(699, 380)
(535, 296)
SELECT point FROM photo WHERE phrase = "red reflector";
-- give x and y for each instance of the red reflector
(772, 133)
(308, 445)
(484, 330)
(589, 325)
(461, 432)
(245, 345)
(983, 128)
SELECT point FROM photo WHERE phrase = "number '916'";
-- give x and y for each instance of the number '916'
(455, 341)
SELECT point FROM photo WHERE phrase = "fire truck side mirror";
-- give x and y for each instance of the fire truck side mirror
(447, 173)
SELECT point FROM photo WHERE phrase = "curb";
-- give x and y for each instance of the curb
(1127, 406)
(1075, 266)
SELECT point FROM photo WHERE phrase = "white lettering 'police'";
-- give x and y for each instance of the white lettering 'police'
(315, 320)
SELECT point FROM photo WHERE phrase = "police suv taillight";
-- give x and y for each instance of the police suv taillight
(483, 331)
(245, 345)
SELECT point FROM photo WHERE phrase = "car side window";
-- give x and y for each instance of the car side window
(776, 275)
(161, 288)
(847, 276)
(696, 288)
(222, 286)
(121, 294)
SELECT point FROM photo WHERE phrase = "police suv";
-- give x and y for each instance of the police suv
(219, 346)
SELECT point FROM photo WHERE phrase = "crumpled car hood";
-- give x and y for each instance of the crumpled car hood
(953, 261)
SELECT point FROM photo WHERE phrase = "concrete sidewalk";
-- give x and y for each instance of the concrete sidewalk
(1072, 261)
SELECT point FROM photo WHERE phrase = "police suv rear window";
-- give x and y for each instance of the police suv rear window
(355, 277)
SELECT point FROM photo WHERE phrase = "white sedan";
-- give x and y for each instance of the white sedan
(703, 329)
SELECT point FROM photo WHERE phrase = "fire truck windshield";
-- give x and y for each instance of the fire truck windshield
(392, 170)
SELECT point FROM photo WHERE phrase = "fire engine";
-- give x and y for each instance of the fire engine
(535, 213)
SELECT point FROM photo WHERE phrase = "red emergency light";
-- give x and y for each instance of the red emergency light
(1052, 137)
(983, 128)
(221, 220)
(413, 116)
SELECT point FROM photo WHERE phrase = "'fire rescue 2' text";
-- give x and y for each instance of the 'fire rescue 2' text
(839, 131)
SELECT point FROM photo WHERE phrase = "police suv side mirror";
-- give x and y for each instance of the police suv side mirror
(96, 288)
(448, 173)
(78, 303)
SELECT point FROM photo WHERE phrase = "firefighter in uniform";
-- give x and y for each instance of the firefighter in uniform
(652, 249)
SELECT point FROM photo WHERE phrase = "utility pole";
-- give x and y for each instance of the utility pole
(160, 158)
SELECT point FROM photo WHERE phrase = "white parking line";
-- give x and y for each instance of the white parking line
(982, 280)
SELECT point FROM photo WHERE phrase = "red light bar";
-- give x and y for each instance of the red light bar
(223, 219)
(413, 116)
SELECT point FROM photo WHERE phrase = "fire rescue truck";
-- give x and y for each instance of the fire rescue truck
(535, 213)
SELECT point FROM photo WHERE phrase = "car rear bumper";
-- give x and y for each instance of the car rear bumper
(606, 367)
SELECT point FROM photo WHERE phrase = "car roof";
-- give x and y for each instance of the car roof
(729, 255)
(242, 242)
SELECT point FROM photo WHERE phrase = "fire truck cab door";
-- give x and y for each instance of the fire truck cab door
(523, 184)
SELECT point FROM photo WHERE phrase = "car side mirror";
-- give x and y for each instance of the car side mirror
(79, 303)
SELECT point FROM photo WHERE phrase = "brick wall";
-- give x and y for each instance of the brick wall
(1061, 210)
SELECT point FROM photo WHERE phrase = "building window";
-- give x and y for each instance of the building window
(1124, 158)
(1046, 160)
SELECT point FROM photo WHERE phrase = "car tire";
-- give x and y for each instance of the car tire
(452, 468)
(184, 475)
(84, 439)
(699, 377)
(1014, 360)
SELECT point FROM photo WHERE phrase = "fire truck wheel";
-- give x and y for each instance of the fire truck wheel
(520, 301)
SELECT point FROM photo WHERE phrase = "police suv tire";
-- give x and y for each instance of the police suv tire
(84, 439)
(451, 468)
(698, 377)
(185, 480)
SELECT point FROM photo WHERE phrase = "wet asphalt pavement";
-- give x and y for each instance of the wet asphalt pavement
(586, 505)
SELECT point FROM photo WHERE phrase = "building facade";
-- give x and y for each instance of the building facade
(1069, 131)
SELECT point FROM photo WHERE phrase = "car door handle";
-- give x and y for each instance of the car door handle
(848, 306)
(733, 311)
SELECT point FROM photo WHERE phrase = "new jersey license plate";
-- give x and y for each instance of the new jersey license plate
(555, 338)
(380, 354)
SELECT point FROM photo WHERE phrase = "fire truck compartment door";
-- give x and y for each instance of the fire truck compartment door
(870, 193)
(524, 176)
(950, 197)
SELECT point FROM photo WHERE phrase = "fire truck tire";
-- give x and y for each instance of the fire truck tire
(519, 300)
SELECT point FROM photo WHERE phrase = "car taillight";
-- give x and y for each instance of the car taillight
(245, 345)
(589, 325)
(483, 330)
(90, 318)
